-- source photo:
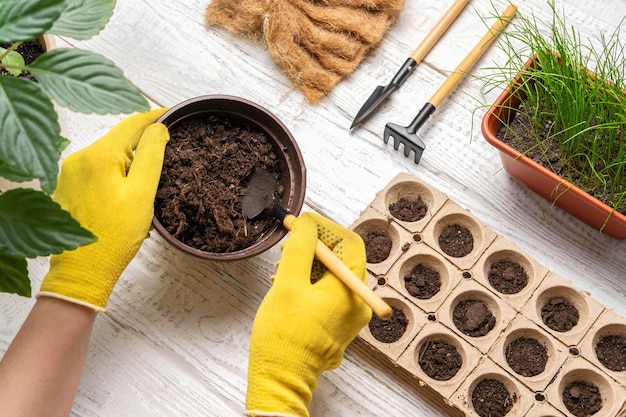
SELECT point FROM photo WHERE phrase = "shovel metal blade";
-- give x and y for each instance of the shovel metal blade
(409, 140)
(375, 99)
(259, 194)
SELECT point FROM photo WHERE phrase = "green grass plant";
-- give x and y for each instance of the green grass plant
(574, 100)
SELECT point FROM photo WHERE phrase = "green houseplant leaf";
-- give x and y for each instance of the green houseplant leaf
(14, 275)
(86, 82)
(30, 138)
(12, 59)
(22, 20)
(83, 19)
(32, 224)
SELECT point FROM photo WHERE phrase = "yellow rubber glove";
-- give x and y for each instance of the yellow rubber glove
(302, 328)
(109, 187)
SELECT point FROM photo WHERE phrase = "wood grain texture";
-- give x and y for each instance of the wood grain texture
(174, 340)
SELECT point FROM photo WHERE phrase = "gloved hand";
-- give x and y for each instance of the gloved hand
(109, 187)
(302, 328)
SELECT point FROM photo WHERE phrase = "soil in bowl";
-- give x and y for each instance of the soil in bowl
(30, 51)
(208, 162)
(473, 318)
(422, 282)
(491, 398)
(559, 314)
(582, 398)
(507, 277)
(456, 240)
(377, 246)
(389, 330)
(611, 352)
(408, 210)
(526, 356)
(439, 360)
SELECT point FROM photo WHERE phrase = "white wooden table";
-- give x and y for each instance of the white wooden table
(174, 340)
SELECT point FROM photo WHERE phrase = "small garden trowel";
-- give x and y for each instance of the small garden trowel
(259, 196)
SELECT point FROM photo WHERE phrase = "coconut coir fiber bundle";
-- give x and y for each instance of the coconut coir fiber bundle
(316, 42)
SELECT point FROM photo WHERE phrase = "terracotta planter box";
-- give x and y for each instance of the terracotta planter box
(543, 181)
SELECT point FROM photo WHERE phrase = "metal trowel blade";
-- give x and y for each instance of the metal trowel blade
(259, 193)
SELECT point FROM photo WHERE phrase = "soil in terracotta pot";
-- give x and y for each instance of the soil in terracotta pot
(611, 352)
(456, 240)
(408, 210)
(582, 398)
(391, 329)
(507, 277)
(208, 162)
(422, 282)
(559, 314)
(29, 51)
(377, 246)
(439, 360)
(548, 155)
(473, 318)
(491, 398)
(526, 356)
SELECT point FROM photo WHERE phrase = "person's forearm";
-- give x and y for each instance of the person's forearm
(41, 370)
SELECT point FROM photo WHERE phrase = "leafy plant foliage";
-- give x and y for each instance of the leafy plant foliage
(31, 223)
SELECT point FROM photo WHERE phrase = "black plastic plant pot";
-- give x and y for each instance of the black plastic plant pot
(292, 175)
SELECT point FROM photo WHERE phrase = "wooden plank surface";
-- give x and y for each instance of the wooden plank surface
(174, 340)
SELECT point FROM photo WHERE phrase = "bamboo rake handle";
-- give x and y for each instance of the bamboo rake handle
(345, 274)
(468, 62)
(438, 30)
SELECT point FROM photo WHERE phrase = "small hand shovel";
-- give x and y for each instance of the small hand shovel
(407, 136)
(259, 196)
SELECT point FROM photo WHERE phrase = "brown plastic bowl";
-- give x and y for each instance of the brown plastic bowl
(293, 170)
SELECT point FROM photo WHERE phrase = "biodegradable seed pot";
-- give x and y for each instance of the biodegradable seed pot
(216, 144)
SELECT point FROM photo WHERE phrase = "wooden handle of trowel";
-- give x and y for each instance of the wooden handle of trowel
(438, 30)
(345, 274)
(468, 62)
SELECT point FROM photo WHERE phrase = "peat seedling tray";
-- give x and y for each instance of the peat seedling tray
(480, 322)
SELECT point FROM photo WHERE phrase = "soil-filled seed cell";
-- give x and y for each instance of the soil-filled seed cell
(559, 314)
(422, 282)
(377, 245)
(409, 209)
(526, 356)
(456, 240)
(611, 351)
(582, 398)
(473, 317)
(507, 277)
(389, 330)
(491, 398)
(439, 359)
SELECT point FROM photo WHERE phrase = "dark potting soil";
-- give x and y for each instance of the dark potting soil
(422, 282)
(582, 398)
(507, 277)
(208, 163)
(391, 329)
(559, 314)
(611, 352)
(377, 246)
(456, 240)
(408, 210)
(526, 356)
(491, 398)
(547, 155)
(473, 318)
(439, 360)
(29, 51)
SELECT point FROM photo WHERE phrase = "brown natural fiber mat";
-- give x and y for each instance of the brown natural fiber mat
(316, 42)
